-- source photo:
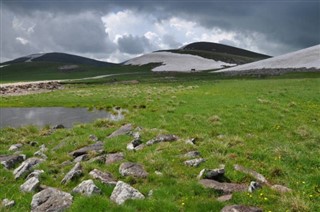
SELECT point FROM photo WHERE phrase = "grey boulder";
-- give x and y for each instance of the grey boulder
(51, 199)
(26, 167)
(104, 177)
(123, 192)
(114, 157)
(9, 161)
(226, 188)
(121, 131)
(30, 185)
(213, 174)
(76, 171)
(194, 162)
(96, 147)
(87, 188)
(15, 147)
(162, 138)
(132, 169)
(7, 203)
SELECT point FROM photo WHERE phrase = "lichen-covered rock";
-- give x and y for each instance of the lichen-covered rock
(132, 169)
(104, 177)
(192, 154)
(121, 131)
(81, 158)
(87, 188)
(213, 174)
(123, 192)
(9, 161)
(73, 173)
(281, 188)
(51, 199)
(30, 185)
(194, 162)
(26, 167)
(253, 186)
(240, 208)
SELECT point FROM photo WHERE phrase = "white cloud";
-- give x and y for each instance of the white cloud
(21, 40)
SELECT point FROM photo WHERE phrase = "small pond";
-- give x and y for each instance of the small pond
(42, 116)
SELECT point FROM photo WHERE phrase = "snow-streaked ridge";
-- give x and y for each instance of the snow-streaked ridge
(33, 56)
(304, 58)
(177, 62)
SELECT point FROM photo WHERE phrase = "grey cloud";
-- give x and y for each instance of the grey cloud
(171, 42)
(134, 44)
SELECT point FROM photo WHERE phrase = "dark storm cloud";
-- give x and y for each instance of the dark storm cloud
(275, 26)
(133, 44)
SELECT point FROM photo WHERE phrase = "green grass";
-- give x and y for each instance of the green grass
(270, 125)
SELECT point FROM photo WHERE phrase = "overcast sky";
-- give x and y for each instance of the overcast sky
(121, 29)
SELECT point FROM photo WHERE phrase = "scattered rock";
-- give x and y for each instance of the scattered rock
(96, 147)
(191, 141)
(7, 203)
(224, 198)
(87, 188)
(93, 138)
(26, 167)
(30, 185)
(99, 159)
(194, 162)
(132, 169)
(136, 135)
(51, 199)
(226, 188)
(74, 172)
(40, 154)
(104, 177)
(123, 192)
(140, 147)
(58, 126)
(35, 173)
(259, 177)
(121, 131)
(213, 174)
(9, 161)
(192, 154)
(240, 208)
(114, 157)
(162, 138)
(33, 143)
(280, 188)
(15, 147)
(66, 163)
(253, 186)
(81, 158)
(134, 144)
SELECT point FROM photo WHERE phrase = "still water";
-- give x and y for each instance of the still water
(42, 116)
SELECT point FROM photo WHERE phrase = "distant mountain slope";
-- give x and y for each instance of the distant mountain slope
(59, 58)
(169, 61)
(308, 58)
(221, 48)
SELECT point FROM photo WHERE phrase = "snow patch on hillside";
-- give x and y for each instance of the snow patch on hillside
(33, 56)
(177, 62)
(3, 66)
(305, 58)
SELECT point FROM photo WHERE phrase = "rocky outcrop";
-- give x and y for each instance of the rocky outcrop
(51, 199)
(7, 203)
(132, 169)
(122, 192)
(121, 131)
(76, 171)
(10, 161)
(35, 173)
(15, 147)
(259, 177)
(213, 174)
(192, 154)
(104, 177)
(26, 167)
(87, 188)
(24, 88)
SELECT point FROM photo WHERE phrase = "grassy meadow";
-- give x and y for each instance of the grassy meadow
(270, 125)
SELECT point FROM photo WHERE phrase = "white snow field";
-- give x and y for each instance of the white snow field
(177, 62)
(305, 58)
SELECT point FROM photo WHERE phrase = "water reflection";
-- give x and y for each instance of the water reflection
(41, 116)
